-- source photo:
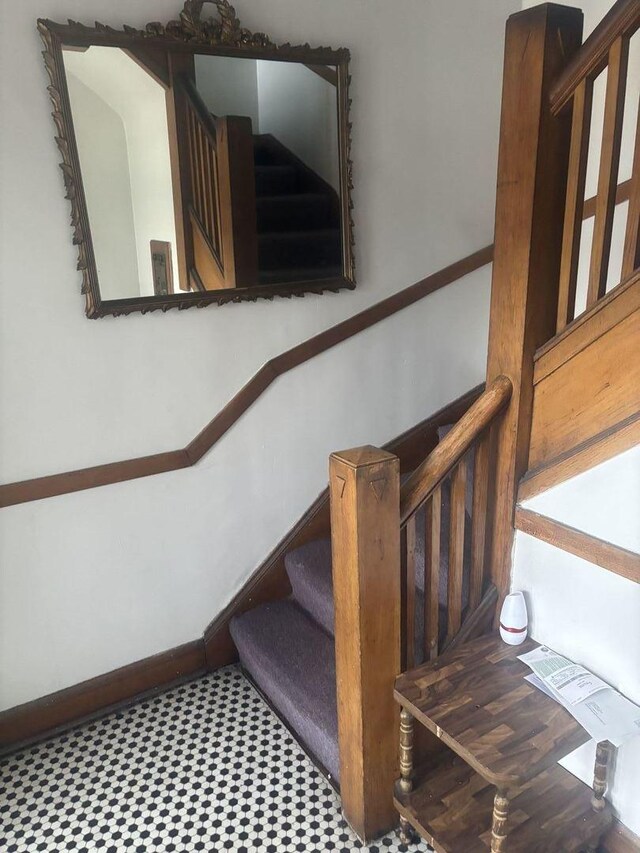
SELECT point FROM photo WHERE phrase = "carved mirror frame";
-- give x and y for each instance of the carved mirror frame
(190, 33)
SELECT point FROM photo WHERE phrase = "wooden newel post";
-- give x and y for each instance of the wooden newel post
(365, 534)
(531, 192)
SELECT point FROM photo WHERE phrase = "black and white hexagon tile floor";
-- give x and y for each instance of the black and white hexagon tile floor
(205, 766)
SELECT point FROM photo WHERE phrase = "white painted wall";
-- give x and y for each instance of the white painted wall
(300, 108)
(102, 148)
(97, 579)
(581, 610)
(604, 501)
(229, 86)
(591, 616)
(141, 104)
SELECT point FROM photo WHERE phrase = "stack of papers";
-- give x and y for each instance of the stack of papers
(603, 712)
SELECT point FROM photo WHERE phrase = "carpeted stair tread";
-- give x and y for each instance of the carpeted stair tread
(275, 180)
(309, 570)
(293, 212)
(292, 659)
(319, 247)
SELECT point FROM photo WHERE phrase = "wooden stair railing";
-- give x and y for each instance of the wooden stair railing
(606, 48)
(462, 453)
(221, 194)
(373, 535)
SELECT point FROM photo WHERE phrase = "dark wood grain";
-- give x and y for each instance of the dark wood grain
(620, 839)
(590, 548)
(451, 808)
(476, 700)
(116, 472)
(99, 695)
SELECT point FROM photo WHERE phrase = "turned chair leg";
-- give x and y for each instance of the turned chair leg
(406, 770)
(604, 752)
(499, 823)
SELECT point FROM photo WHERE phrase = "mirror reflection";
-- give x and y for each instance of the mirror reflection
(206, 172)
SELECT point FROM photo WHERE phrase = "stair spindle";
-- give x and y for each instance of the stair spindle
(609, 163)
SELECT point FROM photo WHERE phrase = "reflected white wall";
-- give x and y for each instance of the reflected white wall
(140, 102)
(229, 86)
(300, 109)
(102, 149)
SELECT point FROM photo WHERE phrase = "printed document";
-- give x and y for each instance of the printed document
(601, 710)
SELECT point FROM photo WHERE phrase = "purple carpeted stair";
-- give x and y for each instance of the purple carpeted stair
(287, 647)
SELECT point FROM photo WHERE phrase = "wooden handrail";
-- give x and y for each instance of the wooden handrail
(453, 447)
(623, 19)
(199, 107)
(39, 488)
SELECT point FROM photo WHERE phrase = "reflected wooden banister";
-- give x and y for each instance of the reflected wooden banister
(222, 202)
(453, 447)
(623, 19)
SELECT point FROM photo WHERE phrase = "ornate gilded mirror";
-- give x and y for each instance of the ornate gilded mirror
(203, 162)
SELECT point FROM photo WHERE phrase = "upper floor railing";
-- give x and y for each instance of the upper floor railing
(606, 49)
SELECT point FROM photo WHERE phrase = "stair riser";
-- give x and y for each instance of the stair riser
(276, 180)
(293, 213)
(306, 251)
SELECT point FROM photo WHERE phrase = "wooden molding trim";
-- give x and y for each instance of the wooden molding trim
(97, 696)
(117, 472)
(582, 458)
(121, 687)
(40, 488)
(604, 554)
(269, 582)
(606, 313)
(619, 839)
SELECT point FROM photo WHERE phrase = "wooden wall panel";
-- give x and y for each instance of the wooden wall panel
(593, 391)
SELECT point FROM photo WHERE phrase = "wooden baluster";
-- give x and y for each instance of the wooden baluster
(631, 258)
(408, 553)
(581, 125)
(609, 162)
(216, 200)
(456, 549)
(432, 575)
(479, 519)
(192, 160)
(204, 184)
(365, 538)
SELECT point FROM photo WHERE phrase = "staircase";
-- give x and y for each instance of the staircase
(298, 217)
(288, 647)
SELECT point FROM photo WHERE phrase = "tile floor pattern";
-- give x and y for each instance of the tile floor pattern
(206, 766)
